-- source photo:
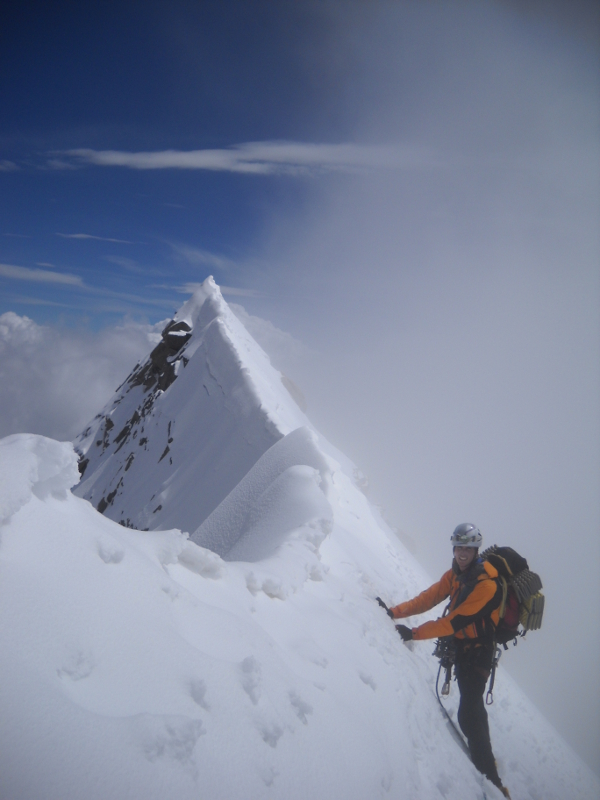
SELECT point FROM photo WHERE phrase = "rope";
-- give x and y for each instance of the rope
(459, 735)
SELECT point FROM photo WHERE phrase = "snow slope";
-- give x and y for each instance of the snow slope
(141, 664)
(138, 664)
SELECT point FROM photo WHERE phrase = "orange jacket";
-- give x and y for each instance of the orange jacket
(474, 604)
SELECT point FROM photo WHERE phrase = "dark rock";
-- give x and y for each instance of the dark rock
(159, 370)
(108, 426)
(105, 503)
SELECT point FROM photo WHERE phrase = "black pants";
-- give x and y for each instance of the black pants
(473, 665)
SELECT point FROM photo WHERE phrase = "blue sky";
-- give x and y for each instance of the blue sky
(410, 190)
(150, 77)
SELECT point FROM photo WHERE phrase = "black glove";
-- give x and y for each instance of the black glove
(404, 632)
(383, 605)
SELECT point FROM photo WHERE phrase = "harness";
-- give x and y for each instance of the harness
(446, 648)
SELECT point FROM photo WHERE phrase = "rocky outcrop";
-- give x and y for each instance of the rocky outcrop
(160, 369)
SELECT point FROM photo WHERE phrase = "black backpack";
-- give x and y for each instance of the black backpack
(522, 605)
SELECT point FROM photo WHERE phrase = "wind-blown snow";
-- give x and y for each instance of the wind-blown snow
(285, 491)
(140, 664)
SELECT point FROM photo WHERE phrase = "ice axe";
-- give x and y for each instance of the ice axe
(404, 632)
(385, 608)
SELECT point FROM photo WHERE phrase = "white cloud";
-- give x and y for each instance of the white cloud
(59, 163)
(267, 157)
(199, 257)
(232, 291)
(38, 275)
(53, 381)
(89, 236)
(8, 166)
(21, 299)
(13, 328)
(129, 264)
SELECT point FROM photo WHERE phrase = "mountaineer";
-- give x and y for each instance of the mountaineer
(470, 618)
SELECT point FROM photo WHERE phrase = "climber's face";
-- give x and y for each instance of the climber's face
(464, 556)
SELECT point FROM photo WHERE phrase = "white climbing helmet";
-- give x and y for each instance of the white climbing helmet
(466, 535)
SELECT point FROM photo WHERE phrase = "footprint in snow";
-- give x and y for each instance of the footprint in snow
(169, 736)
(300, 707)
(250, 678)
(110, 552)
(270, 734)
(274, 589)
(171, 590)
(368, 680)
(78, 665)
(197, 690)
(387, 780)
(268, 775)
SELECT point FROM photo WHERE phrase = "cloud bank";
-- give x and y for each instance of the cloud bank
(453, 313)
(53, 381)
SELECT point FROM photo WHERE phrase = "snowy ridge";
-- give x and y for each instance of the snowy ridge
(199, 412)
(248, 660)
(138, 664)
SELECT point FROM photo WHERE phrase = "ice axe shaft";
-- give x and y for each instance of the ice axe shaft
(383, 605)
(404, 632)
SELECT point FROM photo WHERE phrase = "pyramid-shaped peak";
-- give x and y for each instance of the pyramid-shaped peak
(188, 423)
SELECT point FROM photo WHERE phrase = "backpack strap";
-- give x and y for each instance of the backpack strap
(504, 584)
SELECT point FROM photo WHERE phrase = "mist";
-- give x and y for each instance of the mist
(53, 380)
(452, 312)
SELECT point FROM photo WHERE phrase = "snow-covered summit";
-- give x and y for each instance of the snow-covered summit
(188, 423)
